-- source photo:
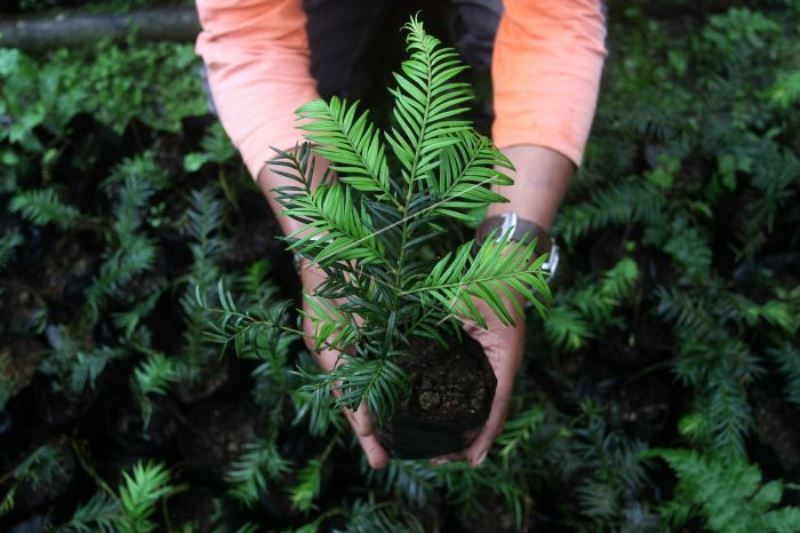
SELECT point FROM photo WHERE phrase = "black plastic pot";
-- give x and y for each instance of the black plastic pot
(452, 389)
(125, 424)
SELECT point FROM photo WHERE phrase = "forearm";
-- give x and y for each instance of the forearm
(258, 69)
(546, 71)
(541, 179)
(546, 68)
(269, 180)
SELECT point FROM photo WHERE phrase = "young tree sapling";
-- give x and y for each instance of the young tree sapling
(378, 225)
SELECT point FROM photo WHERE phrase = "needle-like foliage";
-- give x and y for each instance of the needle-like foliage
(144, 486)
(252, 473)
(100, 513)
(309, 479)
(43, 206)
(730, 496)
(378, 222)
(8, 243)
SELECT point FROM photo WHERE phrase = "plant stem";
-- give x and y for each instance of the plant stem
(327, 450)
(404, 234)
(82, 459)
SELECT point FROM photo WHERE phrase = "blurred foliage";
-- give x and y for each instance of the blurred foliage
(155, 83)
(36, 6)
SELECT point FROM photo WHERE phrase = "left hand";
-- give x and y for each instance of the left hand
(541, 179)
(503, 346)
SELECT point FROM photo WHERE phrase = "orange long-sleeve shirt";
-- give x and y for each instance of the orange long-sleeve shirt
(546, 67)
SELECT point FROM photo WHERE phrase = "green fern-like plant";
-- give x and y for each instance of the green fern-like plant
(378, 228)
(788, 357)
(383, 517)
(204, 220)
(72, 365)
(153, 376)
(8, 243)
(251, 474)
(582, 314)
(131, 251)
(45, 465)
(309, 479)
(130, 508)
(100, 513)
(43, 206)
(727, 495)
(143, 488)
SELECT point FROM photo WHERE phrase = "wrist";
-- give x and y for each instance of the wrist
(541, 215)
(541, 178)
(268, 180)
(512, 227)
(509, 226)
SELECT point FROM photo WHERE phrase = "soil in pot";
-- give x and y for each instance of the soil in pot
(452, 389)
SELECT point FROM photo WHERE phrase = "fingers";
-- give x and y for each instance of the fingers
(503, 346)
(477, 451)
(376, 455)
(359, 420)
(449, 458)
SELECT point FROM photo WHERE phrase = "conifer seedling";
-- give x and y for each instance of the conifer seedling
(378, 225)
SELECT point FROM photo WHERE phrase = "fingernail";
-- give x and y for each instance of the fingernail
(480, 458)
(439, 461)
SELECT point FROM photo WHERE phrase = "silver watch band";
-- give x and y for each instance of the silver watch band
(521, 229)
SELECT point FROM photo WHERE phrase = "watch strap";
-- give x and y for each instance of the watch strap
(520, 230)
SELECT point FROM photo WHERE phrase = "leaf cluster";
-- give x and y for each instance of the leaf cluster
(375, 227)
(730, 496)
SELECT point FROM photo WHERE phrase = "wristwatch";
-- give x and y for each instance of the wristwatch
(520, 229)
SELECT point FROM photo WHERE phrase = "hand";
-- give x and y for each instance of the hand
(311, 277)
(541, 179)
(377, 457)
(503, 346)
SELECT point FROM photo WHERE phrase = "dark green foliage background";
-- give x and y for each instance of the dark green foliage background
(662, 392)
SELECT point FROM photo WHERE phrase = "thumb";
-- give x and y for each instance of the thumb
(359, 420)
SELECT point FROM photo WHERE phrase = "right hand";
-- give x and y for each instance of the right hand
(377, 457)
(311, 277)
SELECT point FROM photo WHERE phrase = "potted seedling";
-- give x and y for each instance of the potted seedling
(378, 225)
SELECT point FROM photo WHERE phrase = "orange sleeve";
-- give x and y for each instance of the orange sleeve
(258, 61)
(546, 68)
